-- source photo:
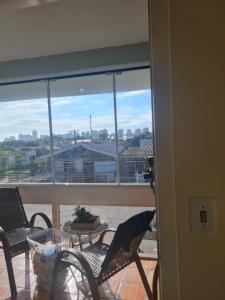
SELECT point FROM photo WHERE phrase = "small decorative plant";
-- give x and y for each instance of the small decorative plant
(82, 215)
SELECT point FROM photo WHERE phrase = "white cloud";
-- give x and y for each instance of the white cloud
(130, 93)
(24, 116)
(59, 101)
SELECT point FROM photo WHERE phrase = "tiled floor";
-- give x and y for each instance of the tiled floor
(125, 285)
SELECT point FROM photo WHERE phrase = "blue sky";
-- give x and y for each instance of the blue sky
(72, 112)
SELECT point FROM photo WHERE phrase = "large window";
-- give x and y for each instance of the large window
(134, 123)
(24, 133)
(83, 128)
(89, 129)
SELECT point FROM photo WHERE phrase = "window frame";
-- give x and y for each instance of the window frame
(48, 80)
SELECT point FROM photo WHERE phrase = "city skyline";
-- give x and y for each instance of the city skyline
(70, 113)
(34, 136)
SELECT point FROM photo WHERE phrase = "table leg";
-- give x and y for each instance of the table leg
(80, 242)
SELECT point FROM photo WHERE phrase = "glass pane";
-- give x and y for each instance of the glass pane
(31, 209)
(134, 118)
(113, 215)
(83, 128)
(24, 134)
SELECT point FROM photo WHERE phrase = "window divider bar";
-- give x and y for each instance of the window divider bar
(116, 129)
(50, 131)
(55, 206)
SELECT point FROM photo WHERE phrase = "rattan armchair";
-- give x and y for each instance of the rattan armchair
(100, 261)
(14, 228)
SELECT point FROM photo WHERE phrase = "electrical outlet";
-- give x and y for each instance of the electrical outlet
(202, 215)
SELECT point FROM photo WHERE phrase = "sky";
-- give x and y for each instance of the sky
(72, 113)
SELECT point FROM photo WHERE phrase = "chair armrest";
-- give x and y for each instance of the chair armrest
(100, 240)
(79, 257)
(85, 269)
(3, 237)
(44, 217)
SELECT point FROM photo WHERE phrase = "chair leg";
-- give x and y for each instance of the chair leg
(155, 281)
(54, 280)
(11, 276)
(144, 278)
(93, 287)
(92, 284)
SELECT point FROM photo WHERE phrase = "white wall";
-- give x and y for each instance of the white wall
(124, 195)
(188, 82)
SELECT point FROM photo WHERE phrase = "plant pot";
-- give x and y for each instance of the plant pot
(85, 225)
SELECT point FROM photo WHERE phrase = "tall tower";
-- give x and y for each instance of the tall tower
(34, 134)
(91, 128)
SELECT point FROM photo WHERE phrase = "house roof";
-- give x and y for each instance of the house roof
(145, 151)
(108, 149)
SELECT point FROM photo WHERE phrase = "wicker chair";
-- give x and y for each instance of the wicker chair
(99, 261)
(14, 229)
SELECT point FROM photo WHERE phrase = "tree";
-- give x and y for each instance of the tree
(33, 167)
(19, 160)
(4, 158)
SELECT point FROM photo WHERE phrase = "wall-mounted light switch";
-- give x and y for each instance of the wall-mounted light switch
(202, 215)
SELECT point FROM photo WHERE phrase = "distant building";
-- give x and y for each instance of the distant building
(145, 130)
(103, 131)
(120, 133)
(103, 134)
(87, 134)
(30, 156)
(44, 136)
(144, 142)
(138, 131)
(28, 137)
(68, 135)
(34, 135)
(10, 139)
(25, 138)
(95, 134)
(133, 162)
(88, 162)
(129, 133)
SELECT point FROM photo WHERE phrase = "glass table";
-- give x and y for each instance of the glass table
(84, 236)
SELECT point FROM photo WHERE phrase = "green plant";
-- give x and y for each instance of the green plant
(82, 215)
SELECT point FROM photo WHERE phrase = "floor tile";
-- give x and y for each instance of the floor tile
(125, 285)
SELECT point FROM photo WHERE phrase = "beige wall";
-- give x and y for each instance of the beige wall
(198, 75)
(139, 195)
(195, 33)
(87, 194)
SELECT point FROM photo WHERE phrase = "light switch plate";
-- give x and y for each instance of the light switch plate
(202, 215)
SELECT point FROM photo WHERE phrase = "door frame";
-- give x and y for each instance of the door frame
(162, 97)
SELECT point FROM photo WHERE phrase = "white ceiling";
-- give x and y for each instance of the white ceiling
(71, 25)
(88, 85)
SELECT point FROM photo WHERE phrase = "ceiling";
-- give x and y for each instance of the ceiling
(65, 26)
(137, 81)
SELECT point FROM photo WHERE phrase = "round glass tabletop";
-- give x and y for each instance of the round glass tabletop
(83, 236)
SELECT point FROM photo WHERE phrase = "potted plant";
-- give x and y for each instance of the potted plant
(84, 219)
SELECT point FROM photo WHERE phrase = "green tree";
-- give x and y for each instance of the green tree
(19, 160)
(4, 158)
(33, 167)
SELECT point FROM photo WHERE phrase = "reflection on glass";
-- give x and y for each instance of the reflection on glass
(83, 128)
(113, 215)
(83, 122)
(134, 121)
(24, 134)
